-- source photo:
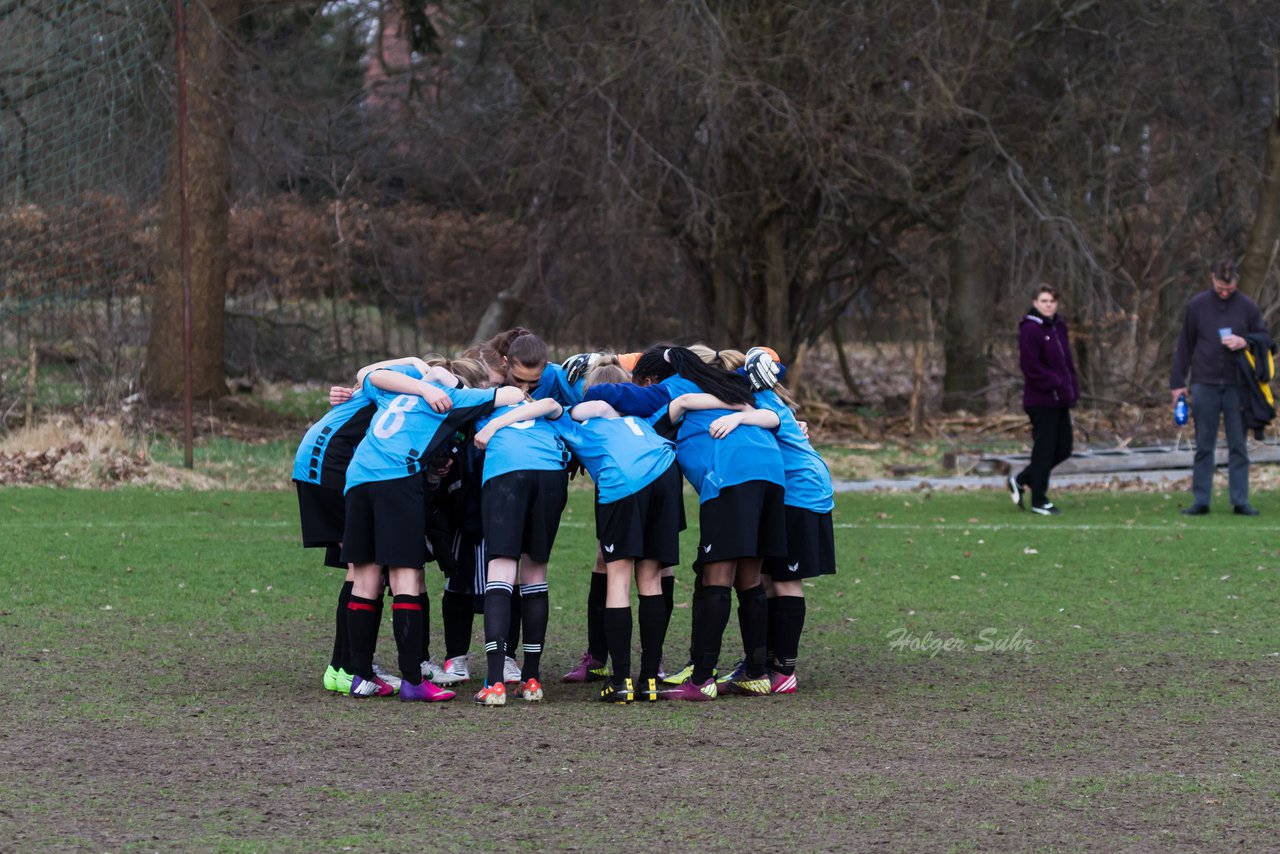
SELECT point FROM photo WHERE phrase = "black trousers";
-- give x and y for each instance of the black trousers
(1051, 444)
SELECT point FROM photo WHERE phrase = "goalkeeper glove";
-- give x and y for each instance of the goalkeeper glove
(761, 369)
(576, 367)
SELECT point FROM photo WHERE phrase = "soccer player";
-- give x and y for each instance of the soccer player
(386, 517)
(525, 487)
(638, 520)
(739, 477)
(809, 502)
(319, 473)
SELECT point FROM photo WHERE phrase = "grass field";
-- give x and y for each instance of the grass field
(973, 679)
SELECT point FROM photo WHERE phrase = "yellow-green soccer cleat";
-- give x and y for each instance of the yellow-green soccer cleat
(337, 680)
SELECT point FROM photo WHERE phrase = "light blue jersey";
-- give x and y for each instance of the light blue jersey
(555, 384)
(808, 478)
(532, 445)
(622, 455)
(748, 453)
(405, 431)
(328, 445)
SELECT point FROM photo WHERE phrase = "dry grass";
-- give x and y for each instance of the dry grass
(89, 455)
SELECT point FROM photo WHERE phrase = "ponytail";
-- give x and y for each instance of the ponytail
(712, 379)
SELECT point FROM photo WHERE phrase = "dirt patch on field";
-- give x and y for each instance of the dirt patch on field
(879, 753)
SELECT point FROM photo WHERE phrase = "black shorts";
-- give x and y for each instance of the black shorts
(811, 547)
(521, 513)
(645, 524)
(386, 523)
(333, 557)
(746, 520)
(324, 514)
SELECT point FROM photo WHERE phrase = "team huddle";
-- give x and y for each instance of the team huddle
(466, 462)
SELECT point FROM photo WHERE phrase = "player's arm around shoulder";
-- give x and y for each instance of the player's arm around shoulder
(544, 408)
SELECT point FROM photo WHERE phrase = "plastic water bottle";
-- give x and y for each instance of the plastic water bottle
(1180, 410)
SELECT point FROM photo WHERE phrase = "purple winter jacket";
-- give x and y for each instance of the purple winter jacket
(1046, 361)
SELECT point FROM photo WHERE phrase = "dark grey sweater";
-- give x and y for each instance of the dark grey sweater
(1200, 347)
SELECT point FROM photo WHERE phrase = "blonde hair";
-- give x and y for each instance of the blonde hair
(732, 360)
(472, 372)
(486, 355)
(606, 372)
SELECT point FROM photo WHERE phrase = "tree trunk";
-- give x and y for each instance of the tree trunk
(209, 129)
(777, 302)
(503, 312)
(967, 322)
(1264, 237)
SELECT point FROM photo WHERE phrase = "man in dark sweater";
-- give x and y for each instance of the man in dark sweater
(1213, 329)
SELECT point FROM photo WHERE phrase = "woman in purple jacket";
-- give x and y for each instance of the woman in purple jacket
(1051, 389)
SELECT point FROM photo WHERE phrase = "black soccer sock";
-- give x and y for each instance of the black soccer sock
(497, 620)
(669, 593)
(653, 632)
(597, 644)
(753, 620)
(617, 632)
(338, 661)
(696, 617)
(517, 620)
(716, 605)
(378, 608)
(362, 631)
(406, 625)
(771, 638)
(425, 601)
(537, 609)
(458, 615)
(787, 623)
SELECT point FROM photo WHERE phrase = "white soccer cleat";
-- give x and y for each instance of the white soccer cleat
(510, 670)
(444, 675)
(393, 681)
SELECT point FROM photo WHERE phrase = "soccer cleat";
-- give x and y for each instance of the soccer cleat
(424, 692)
(492, 695)
(648, 691)
(1045, 509)
(589, 669)
(611, 693)
(681, 676)
(393, 681)
(782, 683)
(455, 670)
(691, 690)
(374, 687)
(341, 681)
(510, 670)
(331, 680)
(530, 690)
(751, 687)
(1015, 491)
(438, 674)
(739, 672)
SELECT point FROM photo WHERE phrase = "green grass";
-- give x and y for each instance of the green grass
(169, 647)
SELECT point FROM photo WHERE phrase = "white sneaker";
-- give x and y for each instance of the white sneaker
(393, 681)
(442, 675)
(511, 670)
(457, 670)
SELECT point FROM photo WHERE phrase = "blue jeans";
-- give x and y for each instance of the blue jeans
(1207, 402)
